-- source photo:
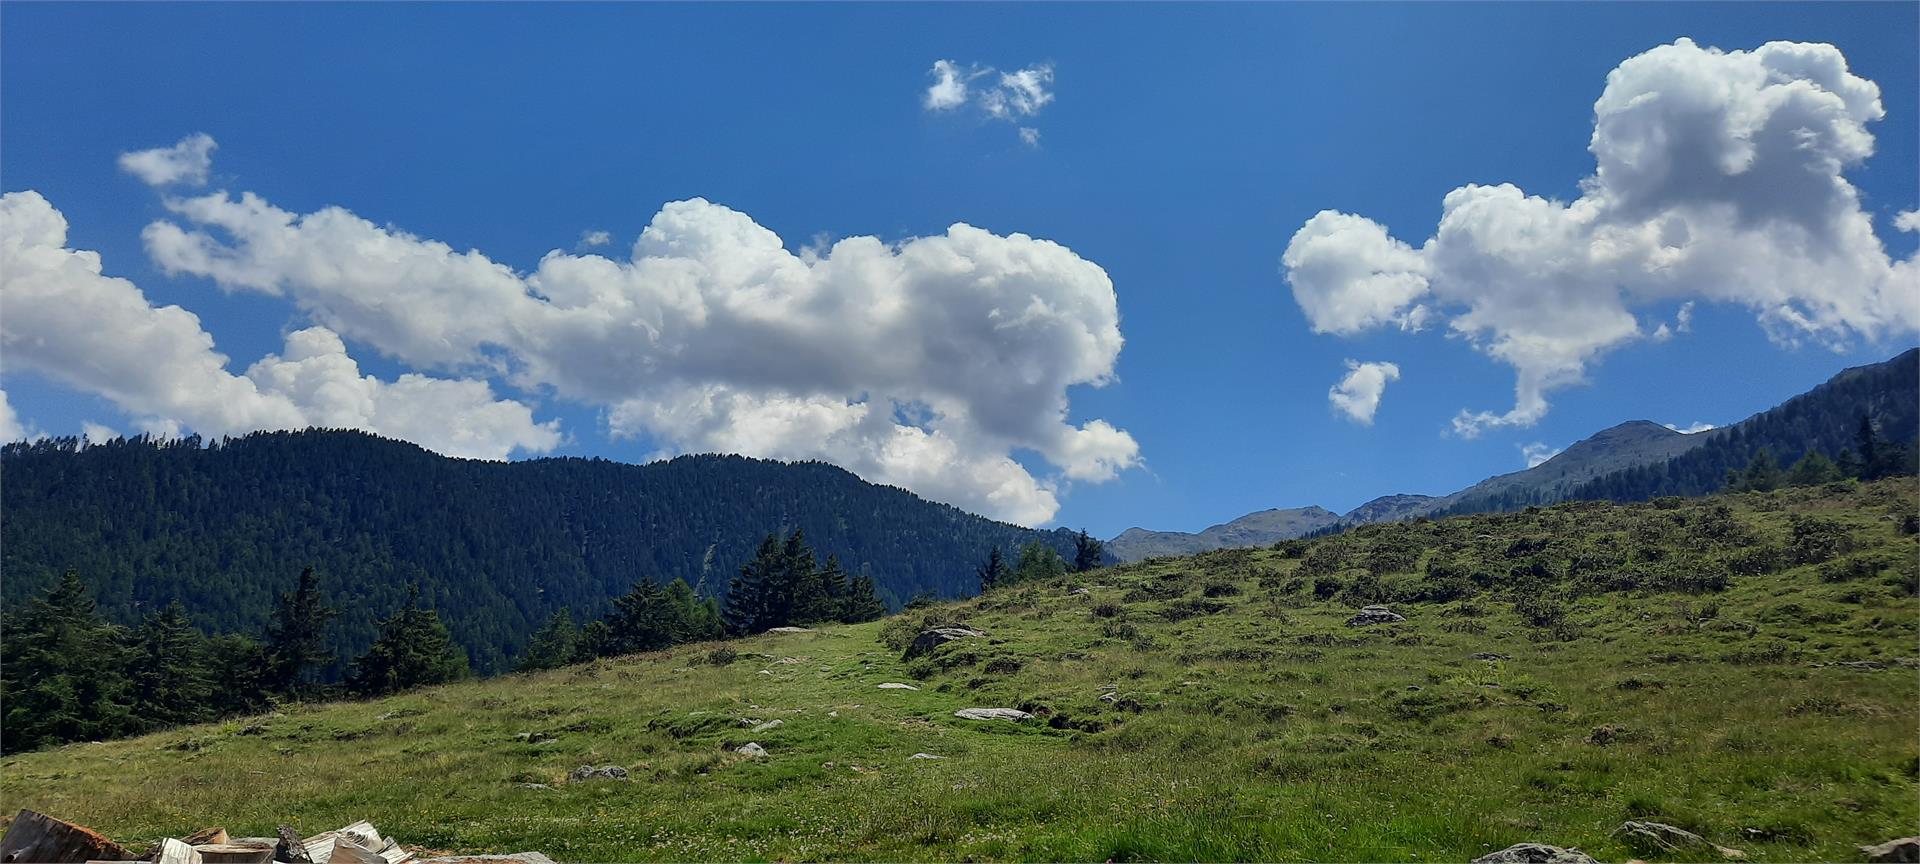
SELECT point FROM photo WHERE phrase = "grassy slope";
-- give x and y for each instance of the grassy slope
(1265, 729)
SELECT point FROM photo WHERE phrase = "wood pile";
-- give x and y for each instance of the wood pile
(36, 838)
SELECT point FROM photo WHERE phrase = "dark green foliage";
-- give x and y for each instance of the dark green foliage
(650, 617)
(557, 643)
(169, 672)
(1038, 562)
(994, 573)
(1088, 553)
(63, 671)
(1816, 539)
(1813, 469)
(784, 586)
(1762, 474)
(297, 637)
(413, 650)
(225, 528)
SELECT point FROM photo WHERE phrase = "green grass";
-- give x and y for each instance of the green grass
(1660, 667)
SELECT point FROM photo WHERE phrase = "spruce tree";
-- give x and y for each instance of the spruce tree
(994, 573)
(1813, 469)
(747, 602)
(61, 673)
(1088, 553)
(640, 620)
(799, 585)
(823, 596)
(862, 602)
(555, 644)
(171, 682)
(236, 664)
(297, 637)
(691, 618)
(413, 650)
(1038, 561)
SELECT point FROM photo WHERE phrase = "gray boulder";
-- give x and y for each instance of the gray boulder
(1536, 853)
(1371, 615)
(1905, 850)
(604, 772)
(930, 639)
(895, 685)
(751, 750)
(1656, 838)
(1013, 714)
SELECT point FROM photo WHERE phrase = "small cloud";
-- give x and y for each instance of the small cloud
(1012, 96)
(95, 433)
(1358, 394)
(589, 239)
(1907, 220)
(1537, 453)
(1683, 319)
(1689, 430)
(185, 163)
(1662, 333)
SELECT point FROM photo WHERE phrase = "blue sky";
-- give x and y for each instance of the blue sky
(1181, 149)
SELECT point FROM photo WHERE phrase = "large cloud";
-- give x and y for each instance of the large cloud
(924, 364)
(99, 334)
(1719, 177)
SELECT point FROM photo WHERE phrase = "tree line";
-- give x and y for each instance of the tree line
(1037, 562)
(69, 674)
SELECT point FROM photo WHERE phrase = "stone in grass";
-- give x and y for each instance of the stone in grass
(770, 724)
(788, 630)
(1013, 714)
(1905, 850)
(1654, 838)
(751, 750)
(930, 639)
(604, 772)
(1490, 655)
(1371, 615)
(895, 685)
(925, 756)
(1536, 853)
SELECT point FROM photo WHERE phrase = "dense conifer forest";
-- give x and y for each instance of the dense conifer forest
(226, 527)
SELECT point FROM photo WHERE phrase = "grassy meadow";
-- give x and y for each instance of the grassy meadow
(1741, 666)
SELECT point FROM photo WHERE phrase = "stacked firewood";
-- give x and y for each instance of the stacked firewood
(36, 838)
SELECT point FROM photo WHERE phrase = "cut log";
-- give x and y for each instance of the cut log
(175, 852)
(206, 836)
(234, 853)
(42, 839)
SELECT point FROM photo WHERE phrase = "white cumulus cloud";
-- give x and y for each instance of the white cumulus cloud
(96, 433)
(595, 238)
(1358, 394)
(923, 363)
(99, 334)
(185, 163)
(12, 428)
(1719, 178)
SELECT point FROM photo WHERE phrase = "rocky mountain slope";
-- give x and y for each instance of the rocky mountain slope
(1254, 529)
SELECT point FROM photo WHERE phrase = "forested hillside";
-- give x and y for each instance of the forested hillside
(1826, 419)
(495, 547)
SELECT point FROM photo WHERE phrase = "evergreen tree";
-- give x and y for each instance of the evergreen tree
(1038, 561)
(994, 573)
(297, 637)
(171, 682)
(691, 618)
(413, 650)
(1763, 474)
(61, 672)
(747, 601)
(640, 621)
(555, 644)
(862, 602)
(823, 596)
(1872, 459)
(236, 663)
(1847, 463)
(1088, 553)
(1813, 469)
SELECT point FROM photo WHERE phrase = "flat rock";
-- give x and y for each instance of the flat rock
(1659, 837)
(1013, 714)
(789, 630)
(770, 724)
(936, 637)
(1371, 615)
(895, 685)
(604, 772)
(751, 750)
(1536, 853)
(1905, 850)
(925, 756)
